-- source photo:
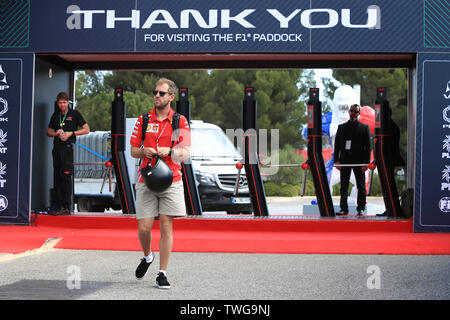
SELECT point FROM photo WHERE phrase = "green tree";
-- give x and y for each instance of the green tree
(96, 108)
(127, 80)
(88, 83)
(281, 96)
(216, 96)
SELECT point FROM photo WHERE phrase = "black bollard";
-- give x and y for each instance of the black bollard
(118, 153)
(383, 157)
(315, 158)
(252, 170)
(191, 194)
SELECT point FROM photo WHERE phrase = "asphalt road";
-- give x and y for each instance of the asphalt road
(58, 274)
(104, 275)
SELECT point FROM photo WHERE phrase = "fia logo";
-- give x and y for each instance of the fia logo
(444, 204)
(3, 202)
(3, 83)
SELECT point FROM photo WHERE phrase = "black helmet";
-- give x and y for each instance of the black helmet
(159, 177)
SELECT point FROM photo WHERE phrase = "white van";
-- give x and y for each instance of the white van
(209, 146)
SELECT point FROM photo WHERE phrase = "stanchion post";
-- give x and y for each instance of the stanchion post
(252, 170)
(383, 155)
(191, 194)
(315, 158)
(118, 153)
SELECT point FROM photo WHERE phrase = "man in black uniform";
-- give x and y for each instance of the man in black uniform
(63, 127)
(352, 146)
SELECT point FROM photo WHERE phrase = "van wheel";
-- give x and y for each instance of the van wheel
(116, 206)
(85, 204)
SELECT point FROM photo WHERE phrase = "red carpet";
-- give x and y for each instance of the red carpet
(245, 235)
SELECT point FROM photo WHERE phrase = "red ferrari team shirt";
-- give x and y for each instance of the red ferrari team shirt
(159, 134)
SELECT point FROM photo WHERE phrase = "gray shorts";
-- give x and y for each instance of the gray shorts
(169, 202)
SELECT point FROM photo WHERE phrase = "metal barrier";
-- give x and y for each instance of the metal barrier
(108, 173)
(98, 141)
(305, 167)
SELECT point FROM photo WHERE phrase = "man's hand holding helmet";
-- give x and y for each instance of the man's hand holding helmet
(150, 152)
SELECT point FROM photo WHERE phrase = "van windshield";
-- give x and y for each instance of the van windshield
(208, 142)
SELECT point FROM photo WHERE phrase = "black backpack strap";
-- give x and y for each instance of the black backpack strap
(143, 131)
(144, 125)
(175, 127)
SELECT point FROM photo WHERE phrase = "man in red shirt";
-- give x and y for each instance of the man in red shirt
(169, 203)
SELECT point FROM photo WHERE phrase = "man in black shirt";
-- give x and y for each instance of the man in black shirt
(63, 128)
(352, 146)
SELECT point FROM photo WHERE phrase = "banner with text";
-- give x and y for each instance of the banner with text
(432, 198)
(16, 97)
(225, 26)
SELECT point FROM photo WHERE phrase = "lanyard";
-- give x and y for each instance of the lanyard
(61, 122)
(157, 137)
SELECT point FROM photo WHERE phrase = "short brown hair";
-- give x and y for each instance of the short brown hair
(172, 86)
(62, 96)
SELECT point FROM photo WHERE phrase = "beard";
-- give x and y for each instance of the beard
(161, 105)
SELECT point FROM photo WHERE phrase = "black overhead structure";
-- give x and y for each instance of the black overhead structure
(118, 153)
(191, 194)
(252, 170)
(315, 158)
(383, 156)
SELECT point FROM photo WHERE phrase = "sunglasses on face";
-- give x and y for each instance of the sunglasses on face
(161, 93)
(352, 110)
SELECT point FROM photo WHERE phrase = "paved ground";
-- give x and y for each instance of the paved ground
(296, 206)
(105, 275)
(78, 274)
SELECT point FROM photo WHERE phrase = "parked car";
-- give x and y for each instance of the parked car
(216, 183)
